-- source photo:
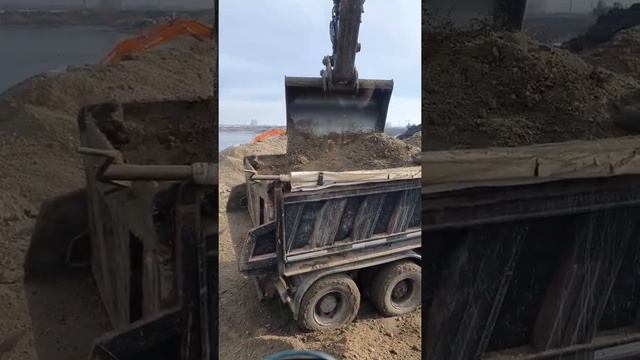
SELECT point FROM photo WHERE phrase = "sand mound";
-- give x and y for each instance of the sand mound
(504, 89)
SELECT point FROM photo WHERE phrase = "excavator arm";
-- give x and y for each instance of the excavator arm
(157, 36)
(344, 30)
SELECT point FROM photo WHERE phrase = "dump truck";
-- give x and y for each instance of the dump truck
(532, 251)
(151, 177)
(318, 233)
(322, 238)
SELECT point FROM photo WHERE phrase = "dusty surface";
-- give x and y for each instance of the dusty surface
(504, 89)
(38, 137)
(251, 330)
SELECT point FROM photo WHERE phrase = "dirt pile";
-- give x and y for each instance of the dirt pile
(38, 159)
(504, 89)
(620, 55)
(351, 152)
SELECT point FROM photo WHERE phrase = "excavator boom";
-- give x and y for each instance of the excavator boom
(345, 27)
(157, 36)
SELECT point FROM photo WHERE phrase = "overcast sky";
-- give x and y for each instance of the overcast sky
(262, 41)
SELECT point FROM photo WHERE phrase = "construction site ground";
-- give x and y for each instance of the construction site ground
(53, 312)
(250, 329)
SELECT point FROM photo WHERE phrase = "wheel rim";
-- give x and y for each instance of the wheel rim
(330, 309)
(403, 293)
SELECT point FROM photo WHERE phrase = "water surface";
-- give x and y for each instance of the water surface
(229, 138)
(30, 50)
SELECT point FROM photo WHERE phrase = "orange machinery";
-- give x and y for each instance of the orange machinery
(269, 133)
(156, 36)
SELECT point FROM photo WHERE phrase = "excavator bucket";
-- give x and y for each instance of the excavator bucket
(314, 111)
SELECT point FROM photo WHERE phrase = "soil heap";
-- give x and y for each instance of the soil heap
(351, 152)
(486, 88)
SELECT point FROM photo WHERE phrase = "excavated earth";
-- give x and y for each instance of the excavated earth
(250, 329)
(487, 88)
(342, 153)
(56, 317)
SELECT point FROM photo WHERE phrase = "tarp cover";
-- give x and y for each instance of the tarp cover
(310, 180)
(451, 170)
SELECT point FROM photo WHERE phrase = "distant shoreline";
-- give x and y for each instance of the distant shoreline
(258, 128)
(394, 131)
(121, 20)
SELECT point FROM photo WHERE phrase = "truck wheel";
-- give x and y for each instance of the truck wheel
(397, 288)
(330, 302)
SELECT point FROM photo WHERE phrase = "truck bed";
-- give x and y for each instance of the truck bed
(532, 251)
(303, 225)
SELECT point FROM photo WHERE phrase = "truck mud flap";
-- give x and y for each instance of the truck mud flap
(258, 254)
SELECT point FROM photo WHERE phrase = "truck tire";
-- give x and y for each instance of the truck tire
(397, 288)
(330, 303)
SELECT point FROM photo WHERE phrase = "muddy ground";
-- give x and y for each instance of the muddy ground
(52, 312)
(251, 330)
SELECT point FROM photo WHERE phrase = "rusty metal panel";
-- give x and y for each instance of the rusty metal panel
(326, 223)
(568, 276)
(320, 219)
